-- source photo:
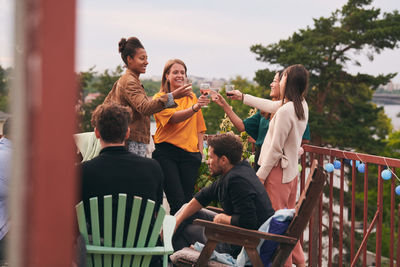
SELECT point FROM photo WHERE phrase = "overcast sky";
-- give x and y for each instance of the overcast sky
(212, 37)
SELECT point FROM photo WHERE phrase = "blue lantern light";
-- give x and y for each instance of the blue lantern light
(328, 167)
(386, 175)
(337, 164)
(397, 190)
(361, 168)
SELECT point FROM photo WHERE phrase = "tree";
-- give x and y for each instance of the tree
(5, 77)
(91, 82)
(341, 112)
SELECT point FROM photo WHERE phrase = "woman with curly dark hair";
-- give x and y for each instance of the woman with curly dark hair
(128, 91)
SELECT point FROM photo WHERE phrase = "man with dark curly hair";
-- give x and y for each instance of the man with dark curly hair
(116, 170)
(244, 201)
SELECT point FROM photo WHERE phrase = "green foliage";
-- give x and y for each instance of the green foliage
(341, 112)
(5, 78)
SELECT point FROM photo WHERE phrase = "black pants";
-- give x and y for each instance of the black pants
(256, 157)
(187, 234)
(181, 170)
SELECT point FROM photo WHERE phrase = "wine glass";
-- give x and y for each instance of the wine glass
(229, 88)
(205, 89)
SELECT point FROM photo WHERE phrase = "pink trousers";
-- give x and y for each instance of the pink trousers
(284, 196)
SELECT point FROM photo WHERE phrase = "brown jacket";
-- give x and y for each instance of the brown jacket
(129, 92)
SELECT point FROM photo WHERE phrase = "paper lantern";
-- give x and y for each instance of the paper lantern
(397, 190)
(386, 175)
(337, 164)
(361, 168)
(328, 167)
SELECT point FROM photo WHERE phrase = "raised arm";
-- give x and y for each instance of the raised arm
(262, 104)
(237, 122)
(182, 115)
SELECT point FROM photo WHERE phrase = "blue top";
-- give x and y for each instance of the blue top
(257, 127)
(5, 160)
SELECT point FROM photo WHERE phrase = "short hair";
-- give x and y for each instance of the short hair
(228, 145)
(165, 86)
(7, 127)
(112, 122)
(128, 47)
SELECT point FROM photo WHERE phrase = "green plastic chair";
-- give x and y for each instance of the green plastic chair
(103, 252)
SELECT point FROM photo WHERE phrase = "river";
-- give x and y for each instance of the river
(392, 111)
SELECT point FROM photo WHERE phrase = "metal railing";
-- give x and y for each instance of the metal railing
(320, 240)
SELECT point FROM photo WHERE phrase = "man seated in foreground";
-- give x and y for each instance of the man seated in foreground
(244, 201)
(115, 170)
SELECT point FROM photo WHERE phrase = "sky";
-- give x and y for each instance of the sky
(213, 38)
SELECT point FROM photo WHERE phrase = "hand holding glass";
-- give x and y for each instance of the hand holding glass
(205, 90)
(214, 93)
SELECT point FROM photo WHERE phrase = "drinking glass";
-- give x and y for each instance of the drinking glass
(228, 89)
(205, 89)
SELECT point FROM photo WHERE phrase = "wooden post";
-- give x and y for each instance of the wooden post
(44, 177)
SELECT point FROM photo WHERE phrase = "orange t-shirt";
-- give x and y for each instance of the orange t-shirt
(182, 134)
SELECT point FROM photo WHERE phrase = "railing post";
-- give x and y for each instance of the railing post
(398, 237)
(392, 208)
(353, 208)
(365, 219)
(330, 247)
(341, 201)
(380, 217)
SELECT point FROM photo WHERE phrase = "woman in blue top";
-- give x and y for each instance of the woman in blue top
(257, 125)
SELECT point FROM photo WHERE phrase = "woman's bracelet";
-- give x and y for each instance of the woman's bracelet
(242, 97)
(194, 109)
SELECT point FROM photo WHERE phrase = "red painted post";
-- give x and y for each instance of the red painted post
(330, 227)
(392, 207)
(341, 201)
(365, 219)
(320, 162)
(302, 184)
(50, 86)
(398, 237)
(380, 217)
(353, 208)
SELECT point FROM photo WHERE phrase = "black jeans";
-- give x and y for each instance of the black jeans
(256, 157)
(181, 170)
(187, 234)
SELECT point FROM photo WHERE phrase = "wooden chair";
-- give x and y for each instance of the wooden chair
(250, 239)
(107, 251)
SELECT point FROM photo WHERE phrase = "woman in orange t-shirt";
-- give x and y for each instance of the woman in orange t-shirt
(179, 137)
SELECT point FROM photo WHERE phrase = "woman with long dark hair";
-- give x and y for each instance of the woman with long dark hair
(128, 91)
(257, 125)
(279, 153)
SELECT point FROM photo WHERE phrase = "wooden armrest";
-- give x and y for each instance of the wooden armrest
(251, 233)
(215, 209)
